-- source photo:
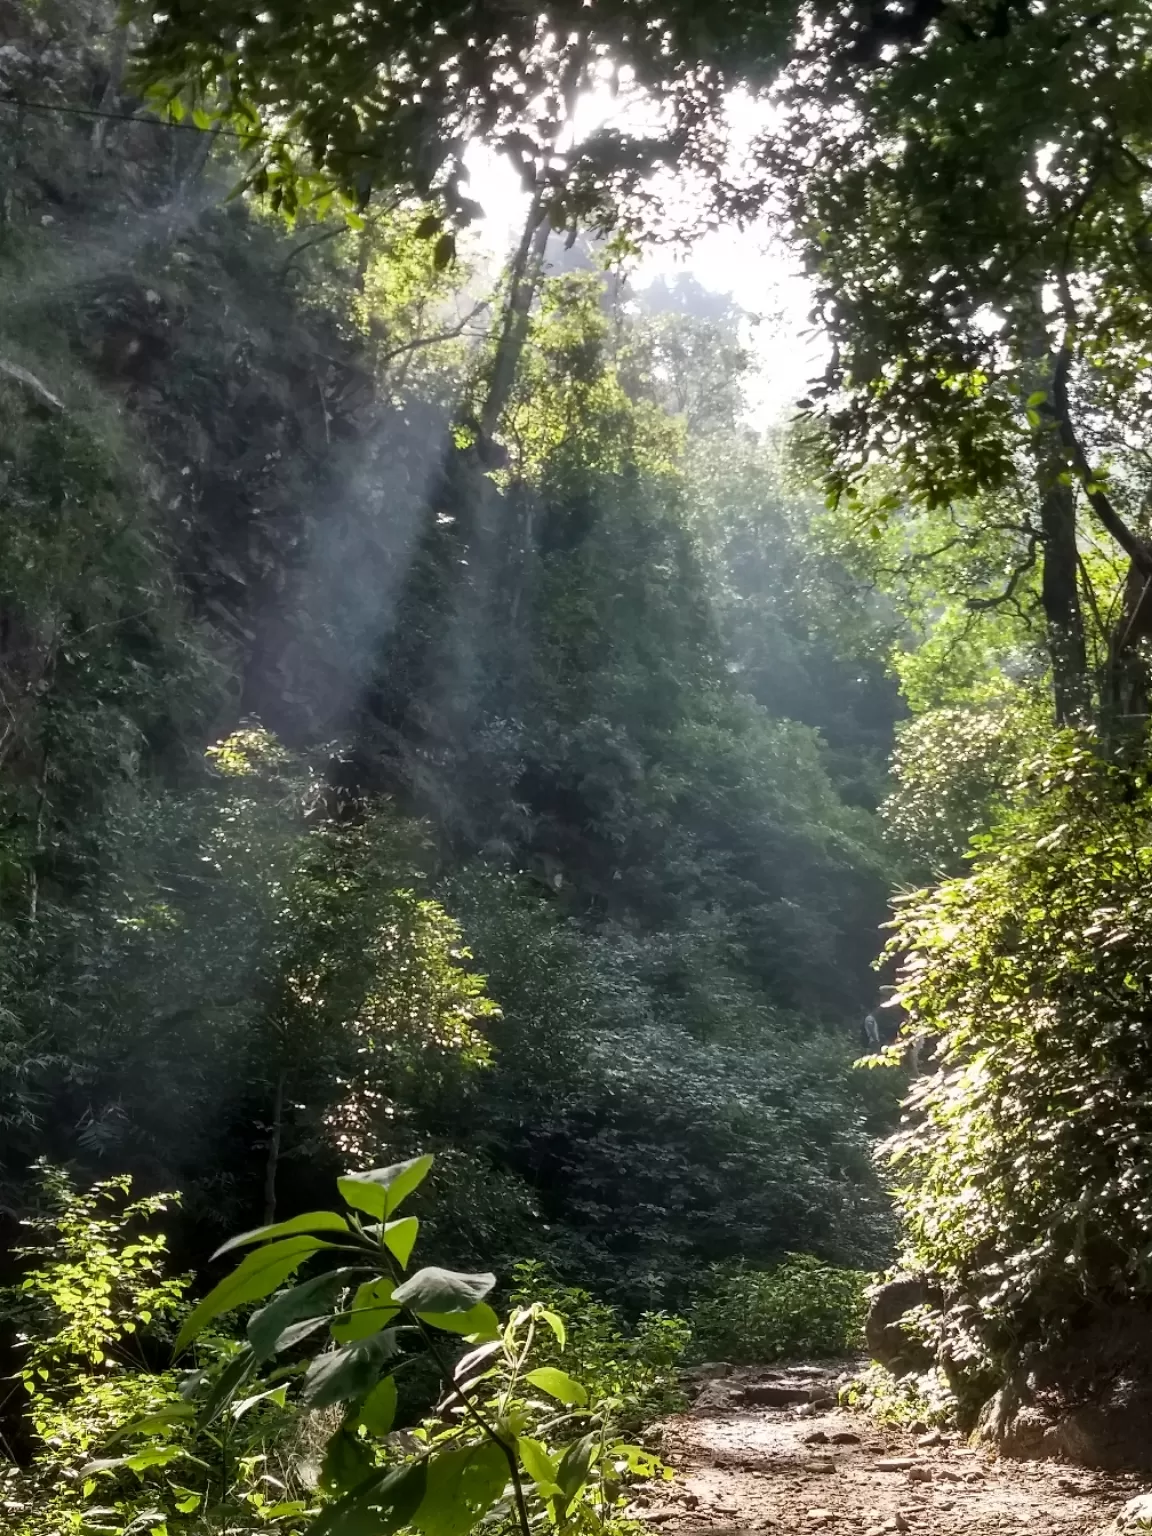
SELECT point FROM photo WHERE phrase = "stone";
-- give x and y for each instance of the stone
(821, 1464)
(774, 1394)
(894, 1464)
(1135, 1516)
(711, 1370)
(816, 1437)
(844, 1437)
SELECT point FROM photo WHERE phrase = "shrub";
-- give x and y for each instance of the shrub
(516, 1441)
(802, 1307)
(636, 1371)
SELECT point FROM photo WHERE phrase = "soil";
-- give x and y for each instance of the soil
(767, 1451)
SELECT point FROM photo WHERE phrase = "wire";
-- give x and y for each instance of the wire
(153, 122)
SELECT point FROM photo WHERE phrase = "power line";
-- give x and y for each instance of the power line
(153, 122)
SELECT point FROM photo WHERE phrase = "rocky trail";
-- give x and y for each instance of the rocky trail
(769, 1451)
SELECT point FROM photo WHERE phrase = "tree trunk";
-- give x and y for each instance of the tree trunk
(1060, 596)
(1059, 582)
(272, 1163)
(524, 280)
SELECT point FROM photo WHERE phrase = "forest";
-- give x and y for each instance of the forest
(456, 752)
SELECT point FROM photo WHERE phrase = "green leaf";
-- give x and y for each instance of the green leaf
(558, 1384)
(575, 1464)
(539, 1465)
(372, 1307)
(255, 1277)
(479, 1322)
(201, 118)
(556, 1323)
(462, 1487)
(379, 1192)
(378, 1410)
(347, 1460)
(348, 1374)
(226, 1385)
(312, 1221)
(381, 1504)
(151, 1423)
(154, 1456)
(443, 1290)
(187, 1500)
(311, 1299)
(400, 1239)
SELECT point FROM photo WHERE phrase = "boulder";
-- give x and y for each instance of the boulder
(1134, 1517)
(1087, 1400)
(886, 1340)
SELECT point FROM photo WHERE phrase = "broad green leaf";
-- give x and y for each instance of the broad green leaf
(381, 1504)
(276, 1395)
(462, 1487)
(558, 1384)
(154, 1456)
(187, 1500)
(479, 1322)
(226, 1385)
(312, 1221)
(378, 1410)
(295, 1332)
(575, 1464)
(311, 1299)
(152, 1423)
(254, 1278)
(443, 1290)
(539, 1465)
(379, 1192)
(347, 1460)
(400, 1239)
(636, 1459)
(466, 1365)
(372, 1307)
(556, 1323)
(349, 1374)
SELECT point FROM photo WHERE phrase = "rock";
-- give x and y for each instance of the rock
(932, 1437)
(774, 1394)
(1135, 1516)
(821, 1514)
(844, 1437)
(711, 1370)
(713, 1397)
(894, 1464)
(820, 1464)
(816, 1437)
(1086, 1400)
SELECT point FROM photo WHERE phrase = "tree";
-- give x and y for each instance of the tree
(974, 222)
(385, 98)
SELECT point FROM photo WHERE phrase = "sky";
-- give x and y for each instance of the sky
(763, 279)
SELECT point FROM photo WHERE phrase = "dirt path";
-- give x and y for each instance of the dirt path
(768, 1451)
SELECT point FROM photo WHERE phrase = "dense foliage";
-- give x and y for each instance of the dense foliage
(1022, 1171)
(432, 720)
